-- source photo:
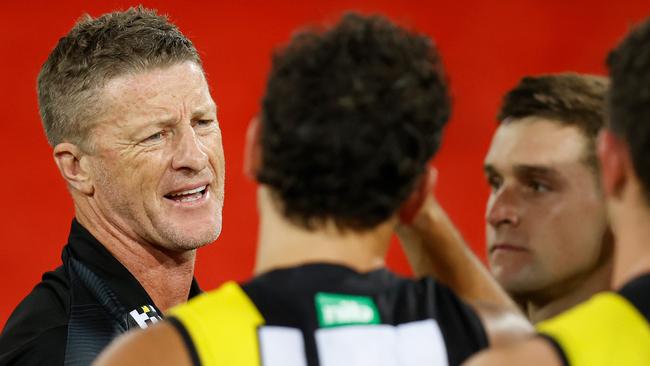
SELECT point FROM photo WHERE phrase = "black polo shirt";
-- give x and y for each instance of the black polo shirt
(91, 287)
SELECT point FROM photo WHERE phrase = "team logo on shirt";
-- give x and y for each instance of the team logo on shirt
(143, 317)
(338, 309)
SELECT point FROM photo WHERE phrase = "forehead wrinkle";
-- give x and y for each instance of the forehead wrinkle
(154, 98)
(205, 108)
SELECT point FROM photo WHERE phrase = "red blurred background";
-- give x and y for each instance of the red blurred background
(487, 46)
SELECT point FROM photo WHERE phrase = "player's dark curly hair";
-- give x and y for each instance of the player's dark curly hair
(350, 118)
(629, 66)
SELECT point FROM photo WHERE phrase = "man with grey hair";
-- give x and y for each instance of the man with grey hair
(321, 294)
(126, 107)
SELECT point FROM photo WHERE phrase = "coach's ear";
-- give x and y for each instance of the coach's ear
(74, 166)
(252, 150)
(415, 201)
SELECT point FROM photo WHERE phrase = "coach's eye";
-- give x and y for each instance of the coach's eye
(155, 137)
(204, 123)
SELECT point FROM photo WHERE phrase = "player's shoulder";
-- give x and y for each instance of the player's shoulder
(584, 333)
(159, 344)
(532, 352)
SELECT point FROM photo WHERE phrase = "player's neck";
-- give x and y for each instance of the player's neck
(283, 244)
(165, 275)
(631, 223)
(571, 293)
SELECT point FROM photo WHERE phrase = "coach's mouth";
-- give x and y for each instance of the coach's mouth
(188, 194)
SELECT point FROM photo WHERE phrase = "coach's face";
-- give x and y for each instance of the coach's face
(545, 215)
(158, 158)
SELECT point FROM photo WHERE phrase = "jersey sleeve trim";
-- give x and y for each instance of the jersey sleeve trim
(558, 349)
(187, 340)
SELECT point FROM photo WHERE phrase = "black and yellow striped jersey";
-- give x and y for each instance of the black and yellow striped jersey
(612, 328)
(323, 314)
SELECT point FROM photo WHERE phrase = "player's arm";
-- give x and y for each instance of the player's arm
(435, 248)
(160, 344)
(533, 352)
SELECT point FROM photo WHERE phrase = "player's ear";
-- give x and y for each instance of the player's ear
(74, 166)
(614, 159)
(423, 187)
(252, 149)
